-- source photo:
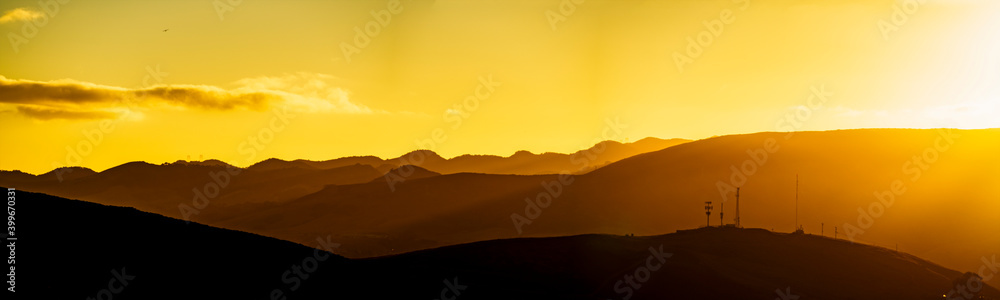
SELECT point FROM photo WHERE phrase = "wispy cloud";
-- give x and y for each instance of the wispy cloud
(968, 114)
(19, 14)
(307, 91)
(71, 99)
(46, 113)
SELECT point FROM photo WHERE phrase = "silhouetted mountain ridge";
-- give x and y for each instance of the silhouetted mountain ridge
(839, 172)
(521, 162)
(149, 256)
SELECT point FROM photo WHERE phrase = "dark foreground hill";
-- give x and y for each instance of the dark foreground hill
(69, 249)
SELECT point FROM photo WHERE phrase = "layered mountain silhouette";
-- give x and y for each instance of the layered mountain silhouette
(100, 251)
(939, 181)
(520, 163)
(160, 188)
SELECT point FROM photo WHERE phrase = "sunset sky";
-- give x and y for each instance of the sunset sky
(200, 78)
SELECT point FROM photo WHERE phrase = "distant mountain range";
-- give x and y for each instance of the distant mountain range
(941, 181)
(520, 163)
(75, 250)
(161, 188)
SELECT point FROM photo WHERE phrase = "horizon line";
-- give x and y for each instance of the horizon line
(472, 154)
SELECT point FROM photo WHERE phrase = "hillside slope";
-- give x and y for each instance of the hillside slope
(69, 249)
(839, 173)
(72, 249)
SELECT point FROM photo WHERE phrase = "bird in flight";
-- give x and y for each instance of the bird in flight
(165, 30)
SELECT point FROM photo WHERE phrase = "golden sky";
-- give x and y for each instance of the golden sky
(99, 83)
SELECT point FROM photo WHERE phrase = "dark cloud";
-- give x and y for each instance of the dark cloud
(209, 98)
(44, 113)
(63, 91)
(68, 99)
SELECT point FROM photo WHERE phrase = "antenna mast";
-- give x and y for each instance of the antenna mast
(796, 201)
(722, 210)
(708, 213)
(738, 208)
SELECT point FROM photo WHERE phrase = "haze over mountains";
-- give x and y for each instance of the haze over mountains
(147, 256)
(161, 188)
(520, 163)
(945, 199)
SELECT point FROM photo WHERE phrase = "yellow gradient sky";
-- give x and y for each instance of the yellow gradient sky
(550, 74)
